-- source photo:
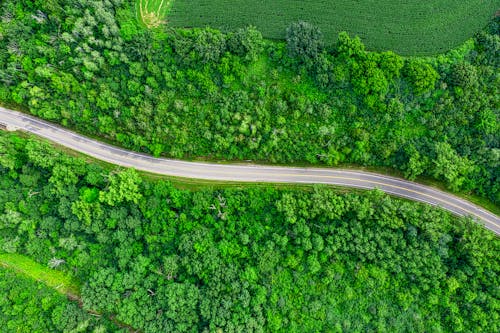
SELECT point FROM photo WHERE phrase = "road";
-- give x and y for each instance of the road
(248, 173)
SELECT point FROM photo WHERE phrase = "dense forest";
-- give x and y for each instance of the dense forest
(258, 259)
(200, 93)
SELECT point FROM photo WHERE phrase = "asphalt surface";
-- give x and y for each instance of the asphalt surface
(14, 120)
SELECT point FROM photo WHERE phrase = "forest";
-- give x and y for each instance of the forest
(253, 259)
(204, 94)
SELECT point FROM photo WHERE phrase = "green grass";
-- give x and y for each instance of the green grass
(407, 27)
(52, 278)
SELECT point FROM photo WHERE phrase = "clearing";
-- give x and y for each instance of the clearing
(152, 13)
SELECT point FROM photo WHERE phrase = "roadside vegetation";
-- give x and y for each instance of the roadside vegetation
(406, 27)
(204, 94)
(259, 259)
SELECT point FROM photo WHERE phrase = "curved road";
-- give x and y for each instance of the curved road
(247, 173)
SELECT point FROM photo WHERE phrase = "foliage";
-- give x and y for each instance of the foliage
(304, 41)
(246, 43)
(52, 278)
(254, 259)
(450, 165)
(29, 306)
(422, 76)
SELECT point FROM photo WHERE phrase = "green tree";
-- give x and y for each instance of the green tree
(454, 168)
(421, 76)
(348, 47)
(210, 45)
(304, 42)
(122, 187)
(246, 42)
(416, 165)
(464, 75)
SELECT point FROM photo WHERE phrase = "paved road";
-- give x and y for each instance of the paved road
(248, 173)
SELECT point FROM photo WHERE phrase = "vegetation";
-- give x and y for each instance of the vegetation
(205, 94)
(46, 274)
(407, 27)
(27, 306)
(259, 259)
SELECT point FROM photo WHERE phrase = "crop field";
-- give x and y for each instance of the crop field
(408, 27)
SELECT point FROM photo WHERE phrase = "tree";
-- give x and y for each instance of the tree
(304, 42)
(391, 64)
(10, 158)
(420, 75)
(488, 46)
(368, 80)
(464, 75)
(210, 45)
(64, 179)
(416, 165)
(181, 302)
(348, 47)
(246, 42)
(451, 166)
(41, 154)
(123, 187)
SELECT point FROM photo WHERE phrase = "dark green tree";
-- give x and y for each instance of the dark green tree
(304, 42)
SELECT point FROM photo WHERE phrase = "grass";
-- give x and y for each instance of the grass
(152, 13)
(52, 278)
(407, 27)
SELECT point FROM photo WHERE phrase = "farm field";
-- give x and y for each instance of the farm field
(407, 27)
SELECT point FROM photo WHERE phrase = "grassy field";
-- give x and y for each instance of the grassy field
(407, 27)
(52, 278)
